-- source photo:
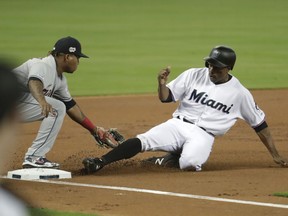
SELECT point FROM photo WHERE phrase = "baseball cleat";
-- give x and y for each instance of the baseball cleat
(92, 165)
(168, 160)
(40, 162)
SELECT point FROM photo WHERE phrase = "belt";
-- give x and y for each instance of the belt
(190, 122)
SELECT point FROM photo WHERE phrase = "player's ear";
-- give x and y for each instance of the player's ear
(66, 57)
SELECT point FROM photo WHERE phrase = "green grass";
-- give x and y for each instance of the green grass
(281, 194)
(47, 212)
(129, 41)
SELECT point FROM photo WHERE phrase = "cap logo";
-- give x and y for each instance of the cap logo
(216, 53)
(72, 49)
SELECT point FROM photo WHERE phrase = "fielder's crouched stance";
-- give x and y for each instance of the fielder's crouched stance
(211, 101)
(46, 98)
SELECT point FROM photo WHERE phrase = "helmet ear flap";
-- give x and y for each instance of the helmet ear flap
(206, 64)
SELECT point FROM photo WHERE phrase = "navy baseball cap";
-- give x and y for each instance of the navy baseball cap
(69, 45)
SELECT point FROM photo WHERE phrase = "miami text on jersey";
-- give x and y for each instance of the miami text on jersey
(201, 97)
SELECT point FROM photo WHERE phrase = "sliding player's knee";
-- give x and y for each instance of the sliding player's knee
(189, 163)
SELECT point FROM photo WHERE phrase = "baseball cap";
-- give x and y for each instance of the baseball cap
(69, 45)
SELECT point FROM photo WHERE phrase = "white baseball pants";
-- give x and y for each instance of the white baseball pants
(192, 143)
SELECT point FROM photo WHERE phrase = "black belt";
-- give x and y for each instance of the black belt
(185, 120)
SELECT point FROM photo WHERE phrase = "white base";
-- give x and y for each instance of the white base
(38, 173)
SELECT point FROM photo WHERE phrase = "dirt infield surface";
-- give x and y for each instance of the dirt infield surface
(239, 168)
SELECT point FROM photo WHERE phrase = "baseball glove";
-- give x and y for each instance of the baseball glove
(111, 138)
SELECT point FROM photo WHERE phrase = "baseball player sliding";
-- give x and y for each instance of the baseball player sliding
(47, 98)
(211, 100)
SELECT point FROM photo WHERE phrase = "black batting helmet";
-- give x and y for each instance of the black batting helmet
(221, 56)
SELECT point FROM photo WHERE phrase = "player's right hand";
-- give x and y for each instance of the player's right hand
(47, 109)
(163, 75)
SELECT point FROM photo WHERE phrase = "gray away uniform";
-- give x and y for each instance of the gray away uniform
(55, 86)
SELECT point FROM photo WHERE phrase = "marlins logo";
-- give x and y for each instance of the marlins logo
(216, 53)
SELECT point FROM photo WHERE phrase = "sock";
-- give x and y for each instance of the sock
(126, 150)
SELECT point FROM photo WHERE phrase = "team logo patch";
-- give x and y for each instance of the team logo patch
(72, 49)
(216, 53)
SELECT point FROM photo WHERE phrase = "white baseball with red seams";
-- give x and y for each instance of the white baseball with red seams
(207, 106)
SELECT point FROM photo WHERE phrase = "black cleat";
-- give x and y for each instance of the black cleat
(168, 160)
(92, 165)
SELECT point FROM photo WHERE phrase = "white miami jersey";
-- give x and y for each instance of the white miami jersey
(44, 69)
(213, 107)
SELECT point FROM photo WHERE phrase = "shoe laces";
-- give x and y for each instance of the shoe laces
(43, 160)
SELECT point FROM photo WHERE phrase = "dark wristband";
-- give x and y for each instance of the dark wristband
(69, 104)
(261, 127)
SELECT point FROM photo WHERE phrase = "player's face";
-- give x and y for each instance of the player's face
(218, 75)
(72, 63)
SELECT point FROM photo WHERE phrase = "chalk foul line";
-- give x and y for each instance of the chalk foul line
(166, 193)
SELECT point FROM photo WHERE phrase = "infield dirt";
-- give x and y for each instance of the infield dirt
(239, 167)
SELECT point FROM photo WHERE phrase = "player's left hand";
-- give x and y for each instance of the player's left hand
(110, 138)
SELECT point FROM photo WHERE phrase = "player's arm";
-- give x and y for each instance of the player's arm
(264, 134)
(104, 138)
(36, 89)
(164, 92)
(76, 114)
